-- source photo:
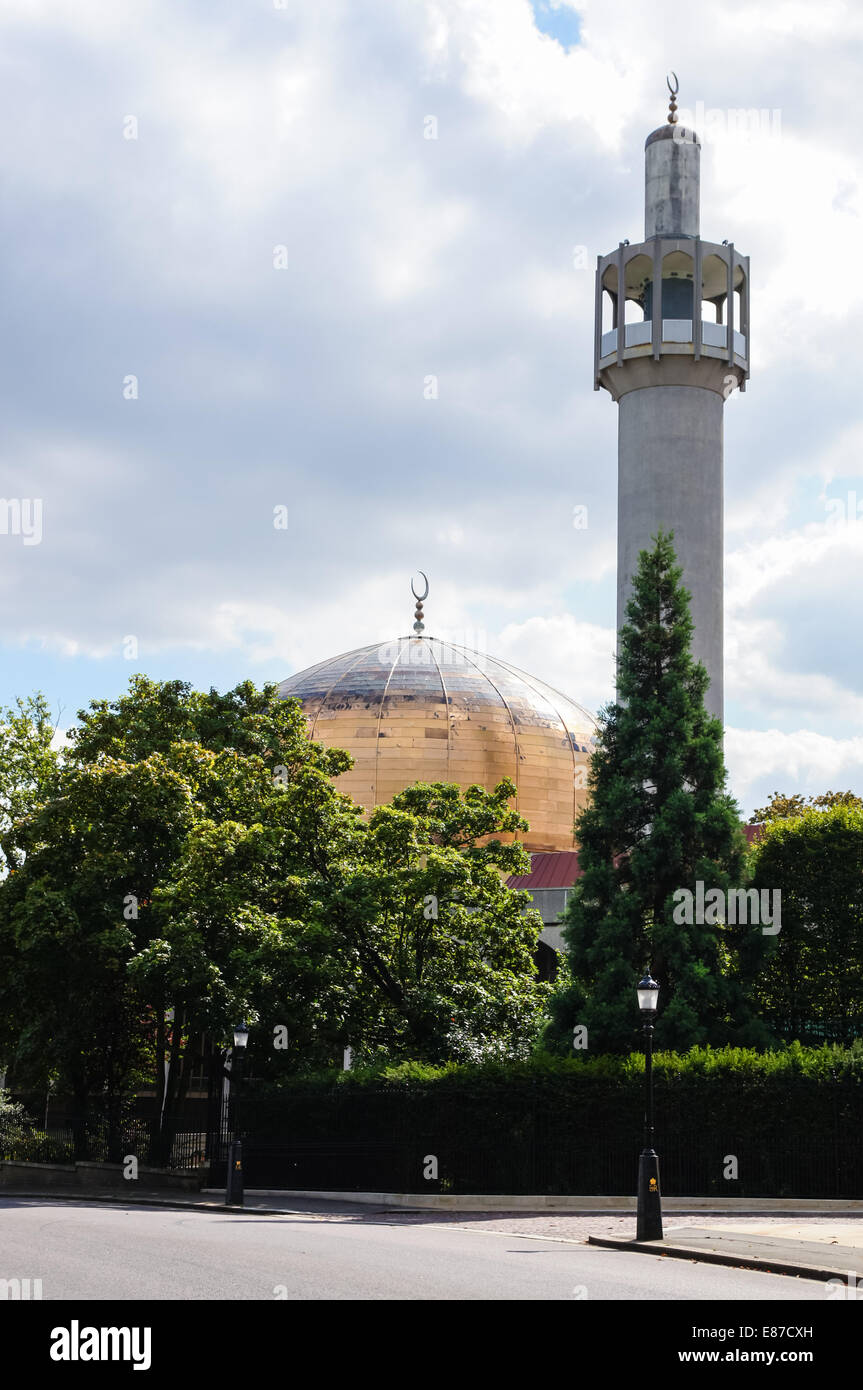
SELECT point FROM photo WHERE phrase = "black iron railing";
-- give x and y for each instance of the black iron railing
(692, 1166)
(96, 1141)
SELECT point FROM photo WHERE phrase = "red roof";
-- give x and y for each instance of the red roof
(548, 870)
(560, 870)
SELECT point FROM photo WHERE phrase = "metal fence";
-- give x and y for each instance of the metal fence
(692, 1165)
(695, 1165)
(95, 1141)
(379, 1141)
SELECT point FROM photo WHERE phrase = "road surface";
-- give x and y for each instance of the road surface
(84, 1251)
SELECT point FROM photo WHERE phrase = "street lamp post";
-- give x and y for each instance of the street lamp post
(234, 1191)
(649, 1213)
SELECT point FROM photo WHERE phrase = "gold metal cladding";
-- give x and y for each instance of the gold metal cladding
(420, 709)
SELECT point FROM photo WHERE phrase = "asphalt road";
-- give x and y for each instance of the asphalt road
(82, 1251)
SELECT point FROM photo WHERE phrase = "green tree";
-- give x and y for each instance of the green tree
(812, 980)
(396, 936)
(84, 908)
(659, 820)
(781, 807)
(192, 863)
(28, 767)
(426, 915)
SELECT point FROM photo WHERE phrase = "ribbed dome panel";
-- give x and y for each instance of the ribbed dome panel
(419, 709)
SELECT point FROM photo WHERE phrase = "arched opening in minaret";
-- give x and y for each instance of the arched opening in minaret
(637, 274)
(714, 287)
(715, 304)
(678, 271)
(609, 299)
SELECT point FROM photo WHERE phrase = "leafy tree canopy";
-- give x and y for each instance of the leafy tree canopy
(781, 807)
(187, 861)
(812, 981)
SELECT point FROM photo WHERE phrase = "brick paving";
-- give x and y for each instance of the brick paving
(577, 1227)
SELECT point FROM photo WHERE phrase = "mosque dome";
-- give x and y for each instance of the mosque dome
(419, 709)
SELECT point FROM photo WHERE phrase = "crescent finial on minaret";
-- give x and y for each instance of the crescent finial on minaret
(672, 105)
(418, 615)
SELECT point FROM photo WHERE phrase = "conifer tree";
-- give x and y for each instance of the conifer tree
(659, 819)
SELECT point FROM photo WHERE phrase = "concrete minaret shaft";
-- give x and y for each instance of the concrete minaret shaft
(677, 346)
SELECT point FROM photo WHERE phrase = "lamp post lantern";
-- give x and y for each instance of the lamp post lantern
(649, 1211)
(234, 1193)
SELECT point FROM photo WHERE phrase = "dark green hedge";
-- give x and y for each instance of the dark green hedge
(791, 1118)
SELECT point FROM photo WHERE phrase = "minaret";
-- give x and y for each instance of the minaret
(678, 345)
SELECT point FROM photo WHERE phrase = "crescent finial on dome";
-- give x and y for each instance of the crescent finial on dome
(418, 615)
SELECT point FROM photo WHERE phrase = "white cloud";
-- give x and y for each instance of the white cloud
(763, 761)
(575, 657)
(790, 557)
(409, 256)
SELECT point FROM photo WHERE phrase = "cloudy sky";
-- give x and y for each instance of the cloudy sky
(236, 269)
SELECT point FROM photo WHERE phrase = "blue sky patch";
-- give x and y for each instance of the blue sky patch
(558, 21)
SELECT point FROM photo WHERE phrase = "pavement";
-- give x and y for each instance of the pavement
(815, 1246)
(814, 1249)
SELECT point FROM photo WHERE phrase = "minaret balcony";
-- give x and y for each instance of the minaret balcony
(672, 297)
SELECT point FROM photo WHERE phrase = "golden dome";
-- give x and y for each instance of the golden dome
(422, 710)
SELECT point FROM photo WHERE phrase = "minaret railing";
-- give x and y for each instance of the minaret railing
(735, 348)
